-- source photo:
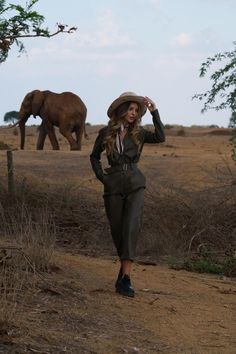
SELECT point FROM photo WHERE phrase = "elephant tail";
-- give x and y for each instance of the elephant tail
(11, 126)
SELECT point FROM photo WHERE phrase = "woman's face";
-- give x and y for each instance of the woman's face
(132, 113)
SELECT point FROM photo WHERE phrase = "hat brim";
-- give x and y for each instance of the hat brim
(116, 103)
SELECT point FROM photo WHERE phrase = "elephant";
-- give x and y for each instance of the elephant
(64, 110)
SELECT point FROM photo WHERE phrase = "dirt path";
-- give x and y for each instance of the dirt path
(172, 312)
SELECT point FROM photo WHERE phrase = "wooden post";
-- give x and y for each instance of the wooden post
(11, 188)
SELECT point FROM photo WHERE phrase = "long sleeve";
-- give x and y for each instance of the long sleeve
(95, 157)
(158, 136)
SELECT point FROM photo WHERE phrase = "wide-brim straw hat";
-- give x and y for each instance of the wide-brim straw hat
(127, 97)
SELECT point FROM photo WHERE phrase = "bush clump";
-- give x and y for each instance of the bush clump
(181, 132)
(205, 264)
(4, 146)
(168, 126)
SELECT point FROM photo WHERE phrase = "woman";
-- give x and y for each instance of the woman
(124, 183)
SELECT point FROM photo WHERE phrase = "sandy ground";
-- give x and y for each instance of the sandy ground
(77, 311)
(75, 308)
(193, 161)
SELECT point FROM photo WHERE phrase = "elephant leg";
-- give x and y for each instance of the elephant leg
(51, 134)
(53, 139)
(67, 133)
(41, 137)
(79, 135)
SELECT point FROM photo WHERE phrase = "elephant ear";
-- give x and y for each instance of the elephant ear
(37, 102)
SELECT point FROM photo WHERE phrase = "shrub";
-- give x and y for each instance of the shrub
(168, 126)
(214, 126)
(71, 215)
(208, 264)
(15, 132)
(4, 146)
(181, 132)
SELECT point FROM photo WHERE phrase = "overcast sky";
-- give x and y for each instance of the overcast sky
(151, 47)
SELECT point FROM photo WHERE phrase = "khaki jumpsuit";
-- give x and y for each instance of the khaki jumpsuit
(124, 186)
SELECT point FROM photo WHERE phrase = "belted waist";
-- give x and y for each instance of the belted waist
(121, 167)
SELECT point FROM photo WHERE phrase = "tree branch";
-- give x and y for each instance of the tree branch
(60, 30)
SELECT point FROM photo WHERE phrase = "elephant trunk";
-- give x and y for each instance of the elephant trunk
(22, 135)
(22, 120)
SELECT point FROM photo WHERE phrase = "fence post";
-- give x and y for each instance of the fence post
(11, 188)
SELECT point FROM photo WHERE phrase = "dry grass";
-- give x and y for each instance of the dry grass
(221, 132)
(184, 220)
(26, 250)
(176, 220)
(35, 235)
(17, 279)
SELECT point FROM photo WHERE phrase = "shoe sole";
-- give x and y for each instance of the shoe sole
(123, 293)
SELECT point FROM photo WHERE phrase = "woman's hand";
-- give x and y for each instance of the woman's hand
(149, 104)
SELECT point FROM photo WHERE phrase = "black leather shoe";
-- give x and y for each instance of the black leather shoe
(118, 277)
(124, 286)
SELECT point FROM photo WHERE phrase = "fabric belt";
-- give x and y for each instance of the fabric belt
(121, 167)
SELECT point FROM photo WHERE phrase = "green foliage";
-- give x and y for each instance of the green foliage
(232, 124)
(208, 265)
(10, 117)
(232, 121)
(206, 262)
(224, 82)
(211, 126)
(18, 22)
(223, 88)
(203, 266)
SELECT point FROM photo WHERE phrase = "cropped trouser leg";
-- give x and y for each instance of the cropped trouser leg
(125, 217)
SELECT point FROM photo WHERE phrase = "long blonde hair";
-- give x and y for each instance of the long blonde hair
(114, 126)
